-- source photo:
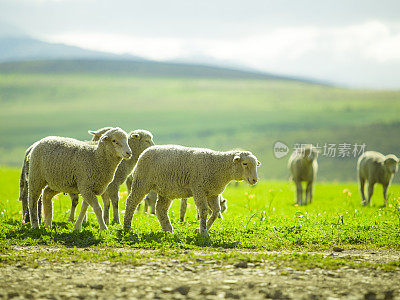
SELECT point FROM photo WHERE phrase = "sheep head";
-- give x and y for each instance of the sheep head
(139, 140)
(246, 166)
(119, 141)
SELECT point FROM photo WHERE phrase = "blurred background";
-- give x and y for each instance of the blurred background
(219, 74)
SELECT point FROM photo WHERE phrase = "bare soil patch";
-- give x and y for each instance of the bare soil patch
(166, 278)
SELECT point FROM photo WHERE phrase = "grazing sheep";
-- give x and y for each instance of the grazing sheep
(222, 202)
(58, 164)
(23, 182)
(303, 167)
(375, 167)
(179, 172)
(138, 141)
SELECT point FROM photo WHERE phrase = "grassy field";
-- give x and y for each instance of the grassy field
(263, 217)
(217, 113)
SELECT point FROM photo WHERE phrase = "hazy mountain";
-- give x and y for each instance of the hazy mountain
(21, 53)
(134, 68)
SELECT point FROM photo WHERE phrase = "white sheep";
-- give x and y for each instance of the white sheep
(374, 167)
(303, 166)
(138, 141)
(179, 172)
(58, 164)
(23, 182)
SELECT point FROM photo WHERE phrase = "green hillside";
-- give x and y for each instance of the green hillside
(208, 112)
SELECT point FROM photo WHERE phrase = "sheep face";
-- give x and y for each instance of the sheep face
(246, 164)
(140, 140)
(119, 140)
(391, 164)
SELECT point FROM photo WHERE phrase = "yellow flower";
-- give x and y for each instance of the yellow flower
(246, 193)
(345, 191)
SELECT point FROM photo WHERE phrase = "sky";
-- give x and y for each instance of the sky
(351, 43)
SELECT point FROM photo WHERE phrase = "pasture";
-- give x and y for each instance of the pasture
(261, 248)
(264, 247)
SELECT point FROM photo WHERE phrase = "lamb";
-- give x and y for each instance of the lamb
(58, 164)
(174, 171)
(23, 183)
(303, 167)
(138, 141)
(375, 167)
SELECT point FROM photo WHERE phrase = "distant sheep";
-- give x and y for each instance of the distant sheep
(179, 172)
(375, 167)
(303, 166)
(58, 164)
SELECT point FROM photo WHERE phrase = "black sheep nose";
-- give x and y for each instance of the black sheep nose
(254, 181)
(128, 153)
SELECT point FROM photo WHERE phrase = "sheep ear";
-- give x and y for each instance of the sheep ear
(258, 163)
(135, 136)
(236, 158)
(105, 137)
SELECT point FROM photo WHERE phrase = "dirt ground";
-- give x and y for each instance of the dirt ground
(165, 278)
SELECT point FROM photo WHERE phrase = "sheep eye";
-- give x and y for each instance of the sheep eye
(244, 164)
(113, 141)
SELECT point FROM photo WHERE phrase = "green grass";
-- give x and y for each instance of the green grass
(216, 113)
(258, 218)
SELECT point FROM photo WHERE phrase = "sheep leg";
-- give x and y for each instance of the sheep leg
(35, 187)
(146, 205)
(153, 208)
(74, 204)
(134, 198)
(183, 209)
(91, 199)
(25, 209)
(370, 191)
(47, 197)
(202, 207)
(362, 190)
(162, 206)
(106, 204)
(213, 203)
(299, 190)
(82, 215)
(112, 191)
(40, 205)
(385, 189)
(309, 192)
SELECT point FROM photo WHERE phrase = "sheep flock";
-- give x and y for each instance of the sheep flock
(158, 174)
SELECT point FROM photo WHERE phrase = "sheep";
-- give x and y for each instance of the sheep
(303, 167)
(23, 182)
(138, 141)
(375, 167)
(58, 164)
(174, 171)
